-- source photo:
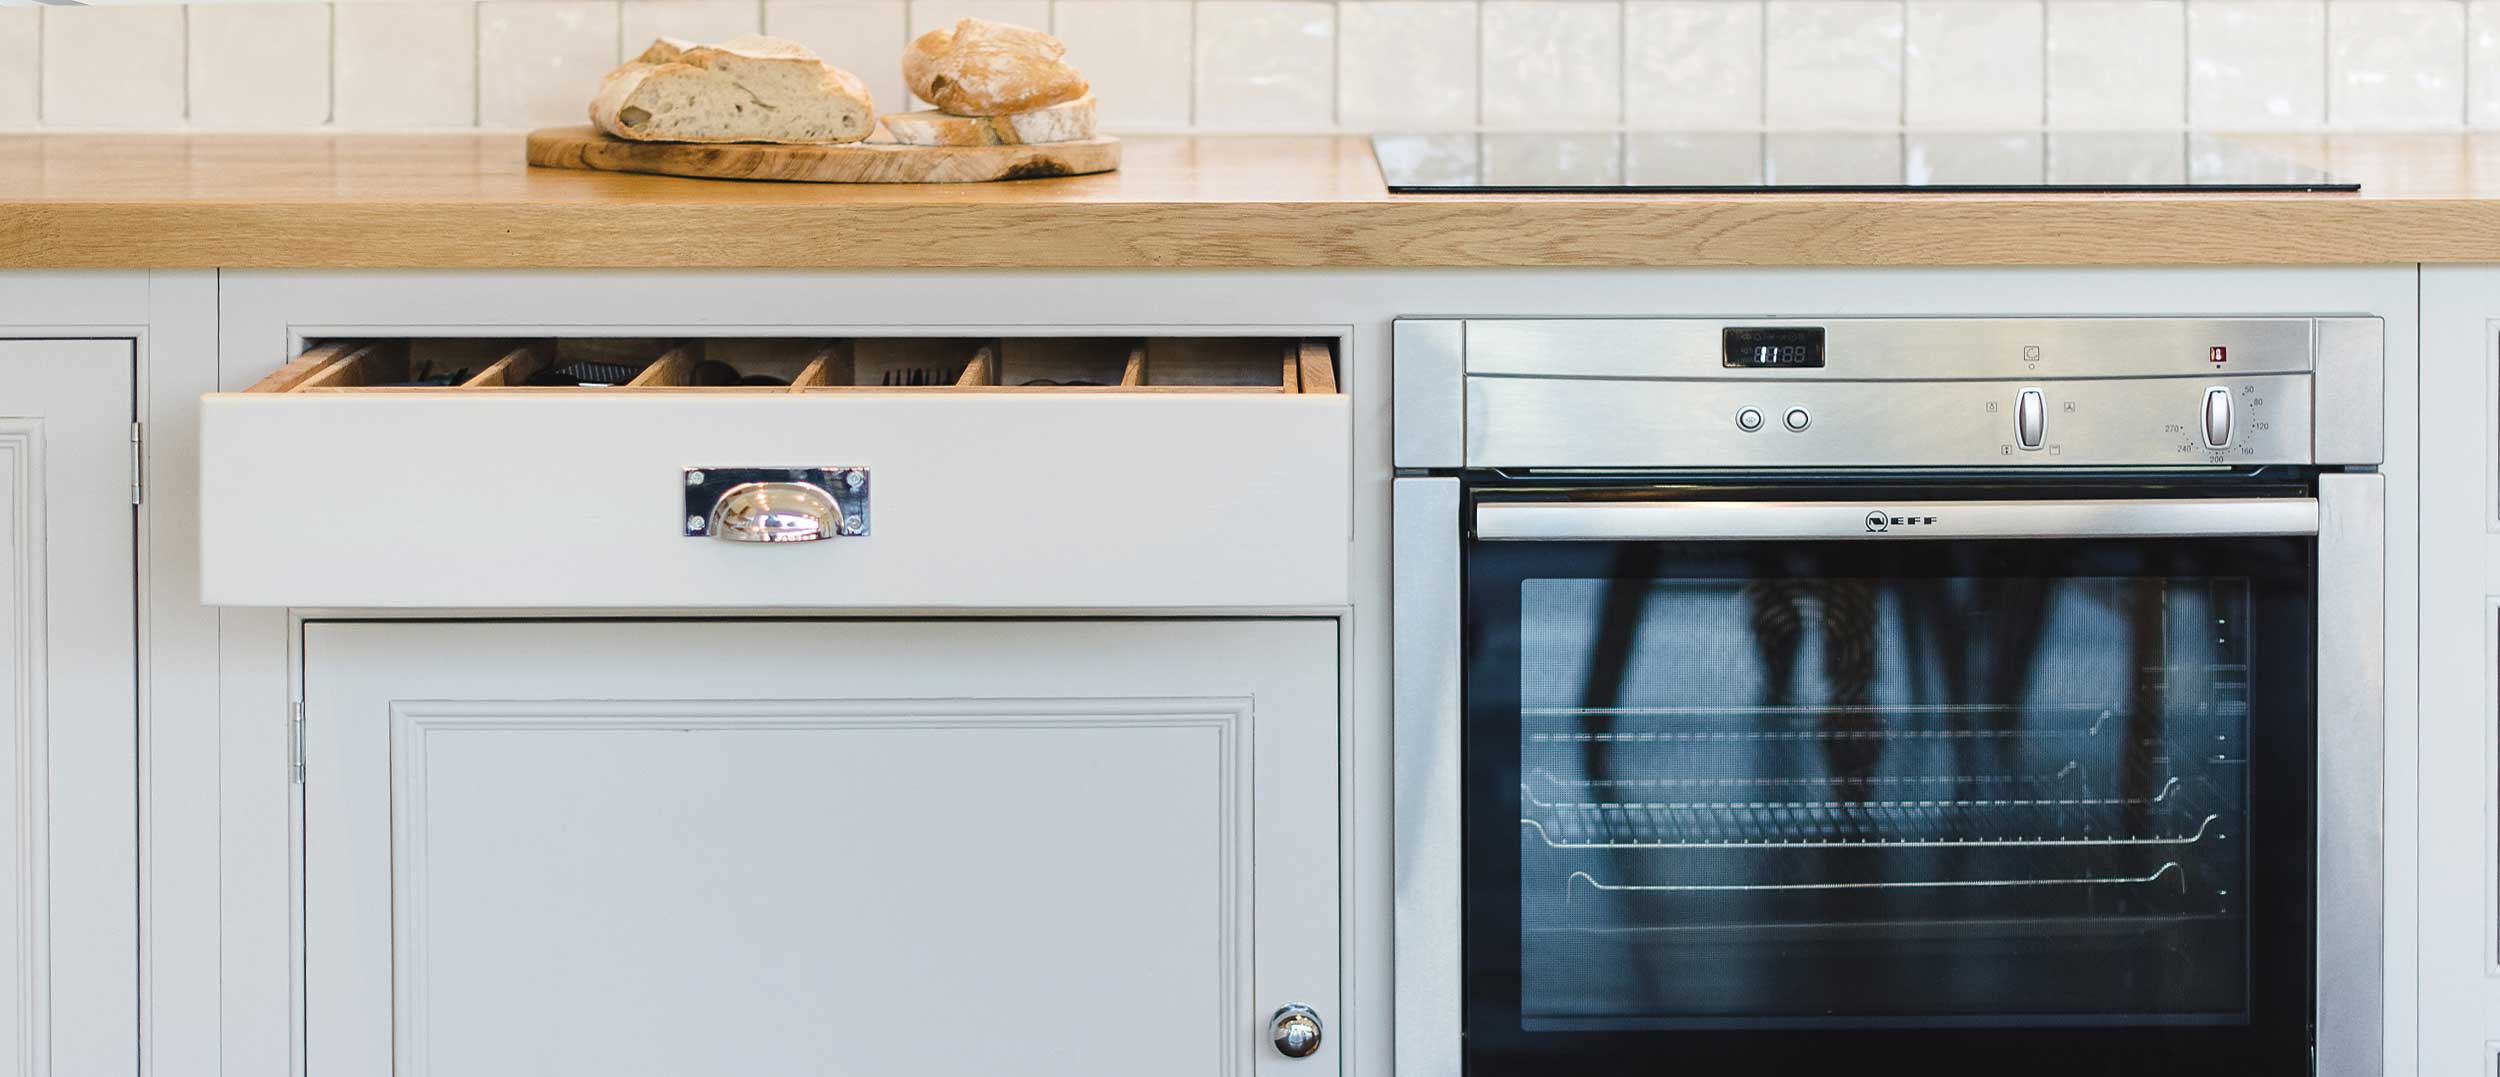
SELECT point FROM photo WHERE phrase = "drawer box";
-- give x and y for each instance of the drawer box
(1041, 473)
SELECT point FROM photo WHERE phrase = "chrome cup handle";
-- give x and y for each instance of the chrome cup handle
(775, 512)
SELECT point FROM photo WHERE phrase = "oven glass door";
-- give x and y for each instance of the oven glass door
(1960, 802)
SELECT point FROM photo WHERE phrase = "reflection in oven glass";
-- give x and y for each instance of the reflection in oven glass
(1826, 800)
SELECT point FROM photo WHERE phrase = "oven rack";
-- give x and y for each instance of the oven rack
(1993, 822)
(2070, 775)
(2169, 871)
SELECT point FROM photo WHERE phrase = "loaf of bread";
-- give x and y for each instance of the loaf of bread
(980, 68)
(1067, 122)
(746, 89)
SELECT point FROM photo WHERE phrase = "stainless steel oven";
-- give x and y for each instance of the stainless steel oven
(1786, 695)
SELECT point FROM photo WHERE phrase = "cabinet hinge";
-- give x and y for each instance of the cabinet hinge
(138, 456)
(295, 745)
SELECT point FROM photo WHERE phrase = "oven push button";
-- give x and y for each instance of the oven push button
(2217, 418)
(1749, 420)
(2031, 418)
(1797, 420)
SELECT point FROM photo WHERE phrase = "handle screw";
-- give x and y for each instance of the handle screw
(694, 478)
(694, 523)
(855, 478)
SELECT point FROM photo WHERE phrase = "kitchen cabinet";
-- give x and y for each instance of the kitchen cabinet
(1098, 847)
(69, 681)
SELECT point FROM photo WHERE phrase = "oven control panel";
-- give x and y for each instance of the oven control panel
(1886, 393)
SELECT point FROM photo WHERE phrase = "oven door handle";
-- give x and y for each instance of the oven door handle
(1636, 521)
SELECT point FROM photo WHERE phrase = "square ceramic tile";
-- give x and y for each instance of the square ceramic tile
(1403, 64)
(260, 65)
(1552, 64)
(1970, 159)
(927, 15)
(863, 37)
(1266, 64)
(1834, 157)
(2117, 65)
(1692, 65)
(1834, 64)
(2482, 63)
(112, 67)
(2256, 64)
(2395, 65)
(1137, 55)
(405, 65)
(21, 51)
(1696, 159)
(1972, 64)
(539, 62)
(708, 22)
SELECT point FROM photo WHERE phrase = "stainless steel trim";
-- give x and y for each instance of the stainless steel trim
(1911, 349)
(1515, 422)
(2350, 427)
(1613, 521)
(2351, 800)
(1428, 388)
(1424, 519)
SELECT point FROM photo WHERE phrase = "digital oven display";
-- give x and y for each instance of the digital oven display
(1784, 346)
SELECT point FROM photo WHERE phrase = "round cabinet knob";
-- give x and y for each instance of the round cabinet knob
(1296, 1031)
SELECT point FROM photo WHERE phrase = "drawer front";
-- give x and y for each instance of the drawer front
(530, 500)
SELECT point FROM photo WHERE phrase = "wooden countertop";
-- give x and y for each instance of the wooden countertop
(448, 201)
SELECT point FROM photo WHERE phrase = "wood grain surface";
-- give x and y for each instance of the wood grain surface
(853, 162)
(454, 201)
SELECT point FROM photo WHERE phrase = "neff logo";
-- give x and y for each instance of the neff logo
(1879, 522)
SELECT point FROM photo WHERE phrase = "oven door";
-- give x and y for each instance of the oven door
(1961, 780)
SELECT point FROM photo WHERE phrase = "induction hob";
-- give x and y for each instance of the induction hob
(1646, 161)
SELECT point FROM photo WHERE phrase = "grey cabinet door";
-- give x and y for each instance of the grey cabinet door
(931, 848)
(69, 970)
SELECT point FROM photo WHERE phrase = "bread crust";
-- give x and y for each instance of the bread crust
(1068, 121)
(982, 68)
(782, 78)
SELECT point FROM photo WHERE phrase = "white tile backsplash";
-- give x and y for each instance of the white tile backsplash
(1137, 55)
(1403, 64)
(863, 37)
(704, 21)
(1972, 64)
(405, 65)
(1551, 64)
(1692, 65)
(1266, 65)
(1832, 64)
(1947, 158)
(2395, 64)
(2482, 59)
(2256, 64)
(113, 67)
(2117, 65)
(1163, 65)
(234, 86)
(539, 62)
(21, 72)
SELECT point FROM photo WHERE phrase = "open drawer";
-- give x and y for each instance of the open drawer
(889, 473)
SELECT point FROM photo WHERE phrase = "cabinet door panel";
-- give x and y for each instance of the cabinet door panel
(926, 848)
(68, 678)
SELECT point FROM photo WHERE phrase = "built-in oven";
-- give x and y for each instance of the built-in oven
(1816, 695)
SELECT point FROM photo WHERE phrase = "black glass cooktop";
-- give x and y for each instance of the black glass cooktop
(1820, 161)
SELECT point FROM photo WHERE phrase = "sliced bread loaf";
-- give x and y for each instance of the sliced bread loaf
(1067, 122)
(746, 89)
(981, 68)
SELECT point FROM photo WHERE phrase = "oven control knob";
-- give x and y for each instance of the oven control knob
(1295, 1030)
(2031, 418)
(2217, 418)
(1749, 420)
(1797, 420)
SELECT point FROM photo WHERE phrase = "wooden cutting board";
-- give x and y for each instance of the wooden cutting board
(851, 162)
